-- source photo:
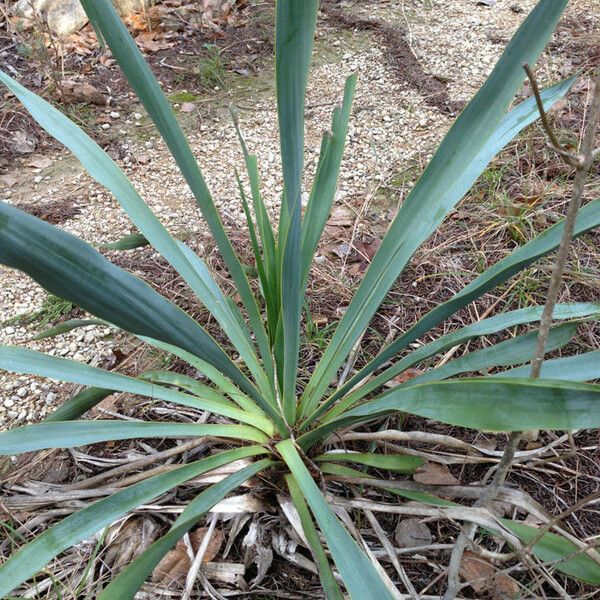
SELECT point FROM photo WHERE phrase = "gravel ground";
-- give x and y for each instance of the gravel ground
(392, 127)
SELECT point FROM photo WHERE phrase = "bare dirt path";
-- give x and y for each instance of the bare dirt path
(418, 62)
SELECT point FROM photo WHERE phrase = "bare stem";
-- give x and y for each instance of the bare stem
(582, 164)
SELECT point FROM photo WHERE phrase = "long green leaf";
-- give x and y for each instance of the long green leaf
(514, 351)
(132, 577)
(27, 561)
(324, 186)
(23, 360)
(78, 405)
(491, 404)
(390, 462)
(294, 33)
(331, 589)
(479, 133)
(581, 367)
(360, 576)
(510, 352)
(141, 79)
(100, 166)
(68, 267)
(481, 328)
(587, 218)
(189, 384)
(71, 434)
(257, 404)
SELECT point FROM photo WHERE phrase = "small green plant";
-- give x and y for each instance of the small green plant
(52, 309)
(210, 69)
(281, 424)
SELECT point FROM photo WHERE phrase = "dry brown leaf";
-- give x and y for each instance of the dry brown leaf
(153, 41)
(481, 575)
(367, 250)
(435, 474)
(39, 162)
(176, 563)
(9, 179)
(412, 532)
(341, 216)
(23, 142)
(73, 90)
(127, 541)
(320, 319)
(407, 375)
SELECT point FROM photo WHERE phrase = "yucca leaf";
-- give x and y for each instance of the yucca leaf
(581, 367)
(491, 404)
(481, 328)
(78, 405)
(294, 33)
(23, 360)
(100, 166)
(360, 576)
(479, 133)
(67, 326)
(324, 186)
(34, 556)
(257, 404)
(330, 587)
(132, 577)
(587, 218)
(71, 269)
(390, 462)
(514, 351)
(71, 434)
(130, 241)
(189, 384)
(141, 79)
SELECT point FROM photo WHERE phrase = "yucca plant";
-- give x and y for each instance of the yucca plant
(274, 419)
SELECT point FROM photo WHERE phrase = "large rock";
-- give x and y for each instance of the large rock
(67, 16)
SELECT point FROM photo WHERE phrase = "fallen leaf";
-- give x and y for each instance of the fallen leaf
(435, 474)
(481, 575)
(367, 250)
(412, 532)
(188, 107)
(176, 563)
(341, 216)
(128, 540)
(9, 179)
(39, 162)
(23, 143)
(320, 319)
(73, 90)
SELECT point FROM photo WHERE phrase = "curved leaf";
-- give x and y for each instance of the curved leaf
(479, 133)
(484, 327)
(28, 560)
(491, 404)
(23, 360)
(68, 267)
(71, 434)
(360, 576)
(129, 581)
